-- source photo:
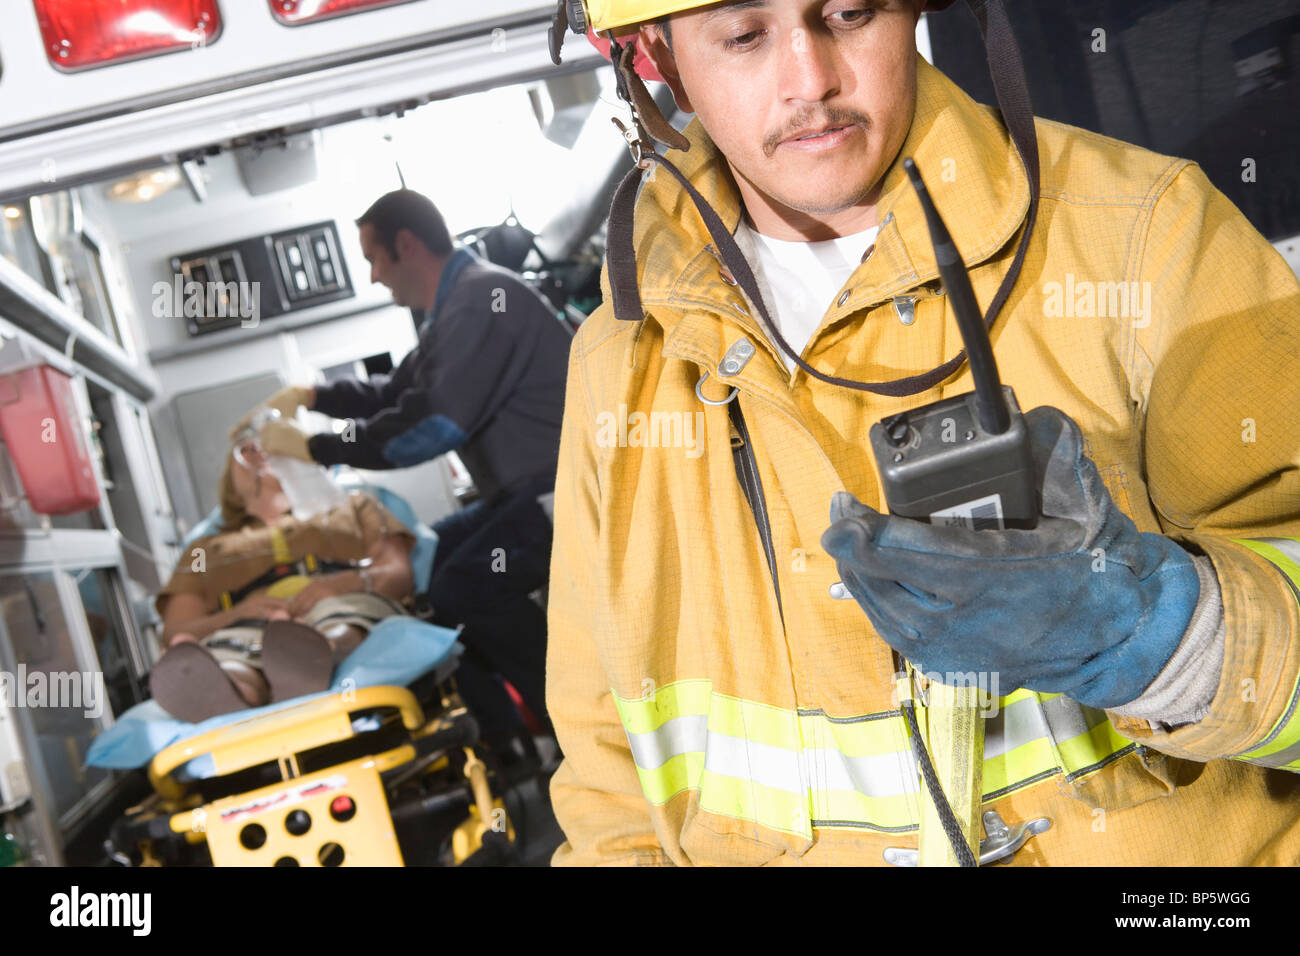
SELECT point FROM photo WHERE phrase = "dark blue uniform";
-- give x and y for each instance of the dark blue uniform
(486, 380)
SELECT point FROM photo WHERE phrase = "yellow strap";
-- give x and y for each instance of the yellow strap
(288, 586)
(280, 552)
(955, 738)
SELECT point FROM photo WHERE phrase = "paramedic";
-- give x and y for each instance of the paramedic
(485, 379)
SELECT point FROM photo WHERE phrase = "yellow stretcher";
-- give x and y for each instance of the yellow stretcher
(326, 782)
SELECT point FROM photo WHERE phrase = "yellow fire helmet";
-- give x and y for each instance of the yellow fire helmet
(615, 19)
(602, 15)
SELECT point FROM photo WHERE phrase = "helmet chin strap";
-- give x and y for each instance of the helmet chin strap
(651, 127)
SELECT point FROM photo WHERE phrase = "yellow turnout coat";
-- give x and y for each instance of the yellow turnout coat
(700, 727)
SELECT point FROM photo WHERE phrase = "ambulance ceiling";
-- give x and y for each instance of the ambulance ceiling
(256, 76)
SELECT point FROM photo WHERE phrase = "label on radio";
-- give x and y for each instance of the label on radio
(982, 514)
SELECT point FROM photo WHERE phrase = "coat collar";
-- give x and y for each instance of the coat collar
(451, 270)
(972, 169)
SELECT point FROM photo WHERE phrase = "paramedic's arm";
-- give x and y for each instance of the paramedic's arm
(596, 793)
(351, 398)
(188, 614)
(1222, 452)
(456, 388)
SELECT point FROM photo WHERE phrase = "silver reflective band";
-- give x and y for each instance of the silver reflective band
(800, 769)
(677, 736)
(794, 771)
(1288, 546)
(1015, 723)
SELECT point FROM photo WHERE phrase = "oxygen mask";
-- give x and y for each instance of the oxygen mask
(248, 448)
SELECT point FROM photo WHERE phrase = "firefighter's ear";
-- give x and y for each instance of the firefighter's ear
(652, 41)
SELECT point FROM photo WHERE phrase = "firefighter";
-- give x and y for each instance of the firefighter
(716, 703)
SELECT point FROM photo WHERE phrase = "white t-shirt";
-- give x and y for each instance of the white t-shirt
(804, 278)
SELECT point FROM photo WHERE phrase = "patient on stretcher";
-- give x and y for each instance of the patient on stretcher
(263, 610)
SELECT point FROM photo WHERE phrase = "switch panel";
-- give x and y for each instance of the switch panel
(259, 278)
(223, 290)
(310, 264)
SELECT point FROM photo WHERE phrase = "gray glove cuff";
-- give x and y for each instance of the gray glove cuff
(1183, 691)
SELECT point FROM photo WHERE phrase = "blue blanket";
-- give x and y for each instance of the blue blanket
(397, 651)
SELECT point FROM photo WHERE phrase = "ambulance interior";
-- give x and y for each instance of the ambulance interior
(245, 153)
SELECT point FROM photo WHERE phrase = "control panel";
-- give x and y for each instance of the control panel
(262, 277)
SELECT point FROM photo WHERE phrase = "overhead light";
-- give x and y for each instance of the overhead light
(146, 185)
(80, 34)
(13, 212)
(294, 13)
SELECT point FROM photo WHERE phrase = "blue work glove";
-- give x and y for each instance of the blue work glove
(1044, 608)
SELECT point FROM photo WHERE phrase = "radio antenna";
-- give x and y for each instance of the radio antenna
(990, 403)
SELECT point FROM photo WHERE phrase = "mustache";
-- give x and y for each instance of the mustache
(831, 117)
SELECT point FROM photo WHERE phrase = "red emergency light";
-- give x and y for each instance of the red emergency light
(293, 13)
(80, 34)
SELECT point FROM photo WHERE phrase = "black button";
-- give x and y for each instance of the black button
(331, 854)
(298, 822)
(898, 431)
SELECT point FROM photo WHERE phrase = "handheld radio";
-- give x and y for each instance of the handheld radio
(964, 460)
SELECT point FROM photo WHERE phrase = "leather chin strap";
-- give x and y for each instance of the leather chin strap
(1012, 91)
(650, 123)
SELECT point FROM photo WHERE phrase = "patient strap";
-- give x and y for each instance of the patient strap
(284, 567)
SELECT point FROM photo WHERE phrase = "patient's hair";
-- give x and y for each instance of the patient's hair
(233, 513)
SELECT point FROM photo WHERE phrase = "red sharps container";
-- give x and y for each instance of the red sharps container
(41, 429)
